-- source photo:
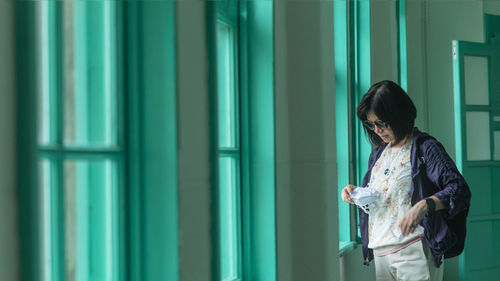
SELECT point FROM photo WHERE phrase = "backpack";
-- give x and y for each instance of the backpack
(456, 224)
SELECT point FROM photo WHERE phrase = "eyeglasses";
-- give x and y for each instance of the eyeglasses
(371, 125)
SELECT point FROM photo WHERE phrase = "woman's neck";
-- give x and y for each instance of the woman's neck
(401, 143)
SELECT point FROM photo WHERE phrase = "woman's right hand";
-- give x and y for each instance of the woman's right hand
(346, 193)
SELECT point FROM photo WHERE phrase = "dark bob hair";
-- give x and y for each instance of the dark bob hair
(393, 106)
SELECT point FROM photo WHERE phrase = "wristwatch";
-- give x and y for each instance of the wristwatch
(431, 205)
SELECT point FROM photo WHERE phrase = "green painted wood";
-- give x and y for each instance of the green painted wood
(46, 250)
(457, 99)
(402, 59)
(26, 85)
(230, 217)
(102, 216)
(121, 191)
(359, 73)
(79, 245)
(94, 119)
(96, 112)
(95, 233)
(156, 244)
(258, 156)
(211, 43)
(479, 262)
(84, 247)
(362, 79)
(353, 78)
(78, 96)
(92, 102)
(229, 148)
(346, 247)
(227, 35)
(50, 61)
(245, 151)
(51, 96)
(134, 166)
(57, 241)
(342, 115)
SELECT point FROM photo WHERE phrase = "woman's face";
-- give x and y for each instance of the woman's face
(386, 134)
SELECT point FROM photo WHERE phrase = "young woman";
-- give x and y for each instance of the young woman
(419, 216)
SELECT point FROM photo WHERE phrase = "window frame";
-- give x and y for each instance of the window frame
(256, 90)
(352, 80)
(152, 146)
(258, 140)
(44, 222)
(402, 46)
(227, 14)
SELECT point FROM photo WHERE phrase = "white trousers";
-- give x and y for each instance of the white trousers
(413, 263)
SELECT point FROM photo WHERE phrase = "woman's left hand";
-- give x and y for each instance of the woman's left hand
(412, 219)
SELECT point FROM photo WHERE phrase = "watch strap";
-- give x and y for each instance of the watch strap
(431, 205)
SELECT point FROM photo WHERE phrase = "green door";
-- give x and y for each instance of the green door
(476, 75)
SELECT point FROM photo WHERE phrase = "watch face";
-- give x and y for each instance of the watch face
(431, 205)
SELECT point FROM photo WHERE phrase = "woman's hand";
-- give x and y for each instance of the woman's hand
(346, 193)
(412, 219)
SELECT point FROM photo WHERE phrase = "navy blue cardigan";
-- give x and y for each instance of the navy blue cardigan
(433, 172)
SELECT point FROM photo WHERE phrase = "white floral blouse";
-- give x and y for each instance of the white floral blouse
(391, 176)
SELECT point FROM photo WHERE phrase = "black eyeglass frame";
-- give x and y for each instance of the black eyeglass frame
(370, 125)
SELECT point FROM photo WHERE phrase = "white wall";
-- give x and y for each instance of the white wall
(416, 30)
(195, 166)
(9, 256)
(491, 7)
(463, 21)
(384, 41)
(307, 236)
